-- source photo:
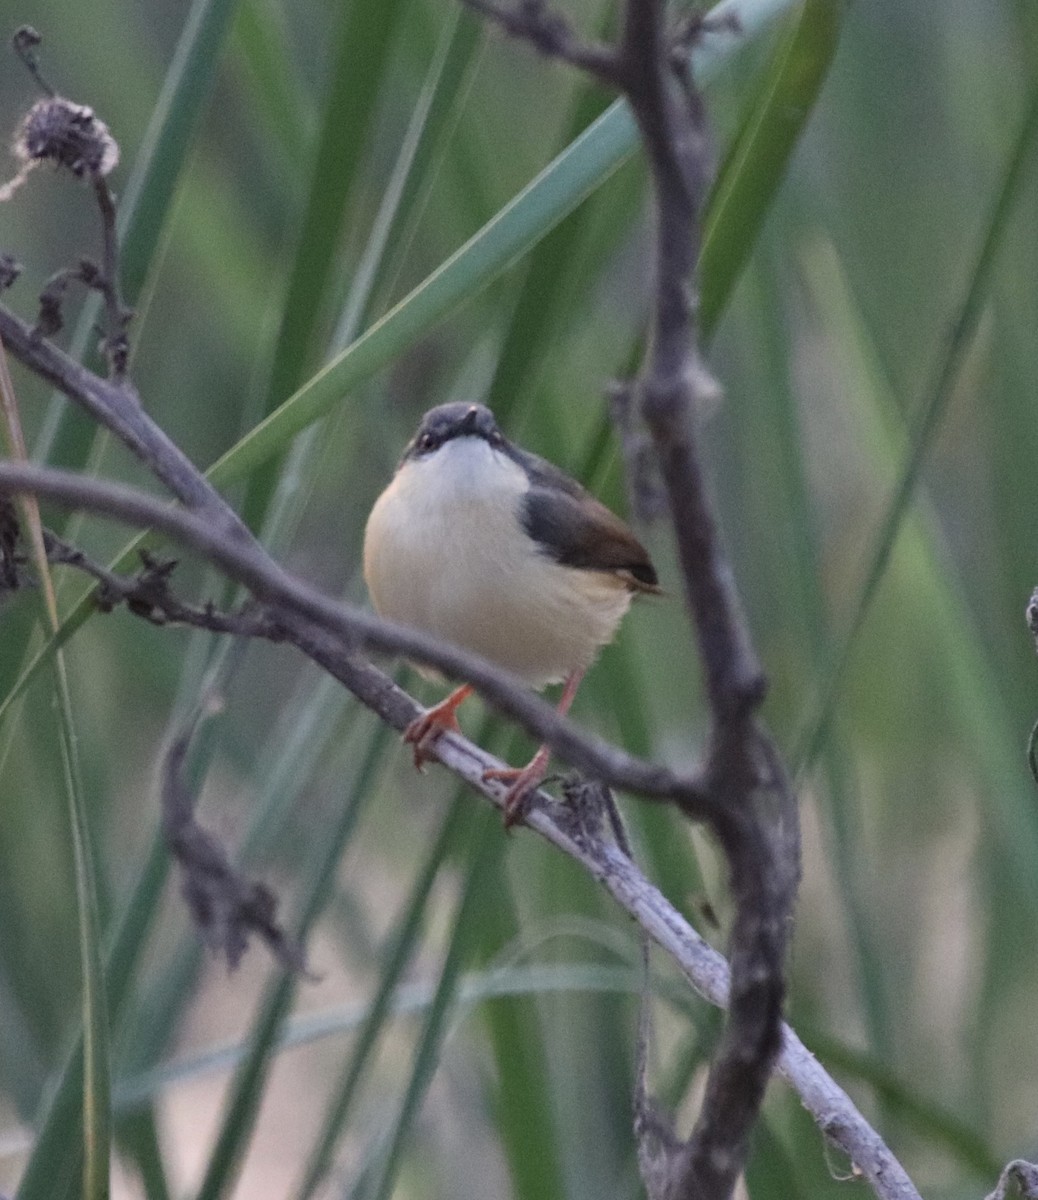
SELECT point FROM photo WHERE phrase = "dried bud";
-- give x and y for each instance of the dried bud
(68, 134)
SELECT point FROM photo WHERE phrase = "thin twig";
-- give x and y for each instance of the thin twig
(552, 36)
(1024, 1175)
(148, 595)
(227, 907)
(24, 42)
(116, 343)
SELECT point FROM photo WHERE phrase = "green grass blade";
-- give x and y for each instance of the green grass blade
(97, 1092)
(560, 187)
(96, 1095)
(398, 955)
(921, 571)
(476, 989)
(57, 1151)
(520, 1098)
(938, 394)
(311, 721)
(70, 625)
(89, 1096)
(544, 306)
(770, 1170)
(247, 1091)
(754, 166)
(530, 1138)
(137, 1135)
(261, 35)
(507, 236)
(484, 856)
(439, 126)
(145, 203)
(756, 162)
(355, 87)
(442, 92)
(143, 211)
(435, 114)
(777, 422)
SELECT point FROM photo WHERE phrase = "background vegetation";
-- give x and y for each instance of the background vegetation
(287, 176)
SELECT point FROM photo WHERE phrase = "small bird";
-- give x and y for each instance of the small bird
(485, 545)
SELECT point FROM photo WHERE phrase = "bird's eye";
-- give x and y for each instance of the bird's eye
(426, 441)
(496, 440)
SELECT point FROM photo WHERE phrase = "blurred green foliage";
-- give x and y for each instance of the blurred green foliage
(288, 175)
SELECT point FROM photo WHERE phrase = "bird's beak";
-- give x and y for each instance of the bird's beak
(468, 424)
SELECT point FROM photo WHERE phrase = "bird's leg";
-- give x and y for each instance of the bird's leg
(524, 780)
(424, 730)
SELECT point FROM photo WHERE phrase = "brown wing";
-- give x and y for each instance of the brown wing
(579, 531)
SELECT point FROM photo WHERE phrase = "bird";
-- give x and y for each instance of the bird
(483, 544)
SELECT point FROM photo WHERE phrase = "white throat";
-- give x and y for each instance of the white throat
(461, 471)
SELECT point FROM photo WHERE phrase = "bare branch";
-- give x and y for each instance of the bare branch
(116, 343)
(227, 907)
(1021, 1173)
(647, 500)
(551, 34)
(148, 595)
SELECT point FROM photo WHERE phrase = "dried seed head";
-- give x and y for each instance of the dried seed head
(68, 134)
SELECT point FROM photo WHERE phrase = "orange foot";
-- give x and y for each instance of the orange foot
(424, 730)
(524, 781)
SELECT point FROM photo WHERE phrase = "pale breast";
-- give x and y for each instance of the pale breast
(446, 553)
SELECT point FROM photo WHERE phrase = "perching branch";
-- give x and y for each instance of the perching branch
(148, 595)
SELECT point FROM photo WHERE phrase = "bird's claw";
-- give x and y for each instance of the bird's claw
(423, 732)
(524, 782)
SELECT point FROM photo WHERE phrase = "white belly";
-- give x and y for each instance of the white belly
(444, 552)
